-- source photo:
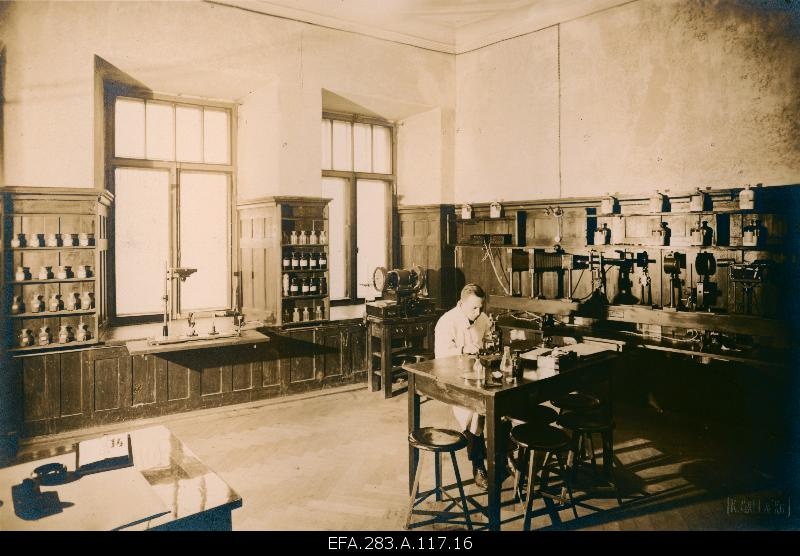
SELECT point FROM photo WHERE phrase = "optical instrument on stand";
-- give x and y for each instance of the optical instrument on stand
(706, 292)
(673, 263)
(402, 292)
(748, 276)
(170, 274)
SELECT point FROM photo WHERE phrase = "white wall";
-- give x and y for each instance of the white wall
(656, 93)
(275, 68)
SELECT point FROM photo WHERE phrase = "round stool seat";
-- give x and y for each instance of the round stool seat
(588, 423)
(535, 436)
(576, 401)
(437, 440)
(540, 414)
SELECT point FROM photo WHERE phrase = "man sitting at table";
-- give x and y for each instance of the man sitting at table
(462, 330)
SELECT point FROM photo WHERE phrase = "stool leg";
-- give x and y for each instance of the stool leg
(608, 461)
(519, 473)
(554, 518)
(590, 446)
(529, 491)
(461, 491)
(438, 476)
(567, 483)
(414, 489)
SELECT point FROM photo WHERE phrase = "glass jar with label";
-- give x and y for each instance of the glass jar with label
(304, 287)
(36, 305)
(20, 275)
(323, 261)
(313, 286)
(287, 261)
(313, 261)
(35, 240)
(751, 233)
(294, 287)
(61, 273)
(44, 336)
(18, 240)
(747, 198)
(304, 257)
(44, 273)
(64, 334)
(296, 260)
(84, 271)
(52, 240)
(87, 301)
(82, 333)
(73, 302)
(17, 305)
(54, 304)
(25, 337)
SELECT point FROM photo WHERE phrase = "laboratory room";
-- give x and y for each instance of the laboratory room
(408, 266)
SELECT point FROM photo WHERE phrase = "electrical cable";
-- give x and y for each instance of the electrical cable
(488, 254)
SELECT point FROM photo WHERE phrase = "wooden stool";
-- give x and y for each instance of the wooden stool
(540, 414)
(438, 441)
(576, 401)
(583, 426)
(537, 437)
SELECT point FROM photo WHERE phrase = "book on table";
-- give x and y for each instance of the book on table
(110, 451)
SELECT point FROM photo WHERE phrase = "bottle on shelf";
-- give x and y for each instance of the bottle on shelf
(87, 302)
(323, 286)
(318, 314)
(69, 240)
(313, 261)
(85, 240)
(25, 337)
(296, 315)
(296, 260)
(52, 240)
(73, 302)
(17, 305)
(287, 261)
(304, 287)
(82, 332)
(285, 285)
(44, 273)
(54, 304)
(304, 261)
(44, 336)
(35, 240)
(303, 237)
(18, 240)
(747, 198)
(21, 275)
(313, 237)
(313, 286)
(323, 261)
(293, 237)
(751, 233)
(84, 271)
(323, 237)
(294, 287)
(64, 334)
(602, 235)
(36, 304)
(62, 273)
(305, 314)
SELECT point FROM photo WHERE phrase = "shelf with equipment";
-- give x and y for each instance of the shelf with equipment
(284, 257)
(54, 253)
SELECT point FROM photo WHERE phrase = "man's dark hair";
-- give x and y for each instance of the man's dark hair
(472, 289)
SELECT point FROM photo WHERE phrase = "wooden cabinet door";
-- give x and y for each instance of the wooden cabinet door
(300, 350)
(331, 342)
(356, 352)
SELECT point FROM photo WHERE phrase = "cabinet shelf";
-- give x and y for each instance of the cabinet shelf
(70, 247)
(292, 297)
(296, 218)
(55, 345)
(296, 270)
(50, 314)
(51, 281)
(305, 322)
(317, 245)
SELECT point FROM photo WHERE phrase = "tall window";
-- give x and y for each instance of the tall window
(358, 174)
(171, 171)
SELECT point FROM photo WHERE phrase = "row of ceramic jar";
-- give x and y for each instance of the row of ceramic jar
(64, 272)
(699, 201)
(52, 240)
(305, 261)
(73, 302)
(311, 237)
(65, 335)
(700, 235)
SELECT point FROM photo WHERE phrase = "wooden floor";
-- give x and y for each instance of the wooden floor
(337, 460)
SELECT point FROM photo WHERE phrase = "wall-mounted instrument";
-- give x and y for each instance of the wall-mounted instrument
(673, 264)
(705, 265)
(748, 276)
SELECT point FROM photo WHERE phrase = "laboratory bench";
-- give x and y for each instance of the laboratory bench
(123, 377)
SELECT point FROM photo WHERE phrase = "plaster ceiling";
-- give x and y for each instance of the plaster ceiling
(450, 26)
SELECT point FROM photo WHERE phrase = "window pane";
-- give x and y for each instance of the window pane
(129, 128)
(326, 144)
(381, 149)
(141, 210)
(216, 136)
(189, 132)
(160, 131)
(342, 145)
(371, 209)
(335, 188)
(204, 240)
(362, 144)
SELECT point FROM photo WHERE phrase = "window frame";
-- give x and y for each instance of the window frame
(351, 178)
(111, 91)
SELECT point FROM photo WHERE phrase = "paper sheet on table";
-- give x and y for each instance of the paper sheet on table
(98, 502)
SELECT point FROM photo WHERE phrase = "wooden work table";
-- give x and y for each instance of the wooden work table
(448, 380)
